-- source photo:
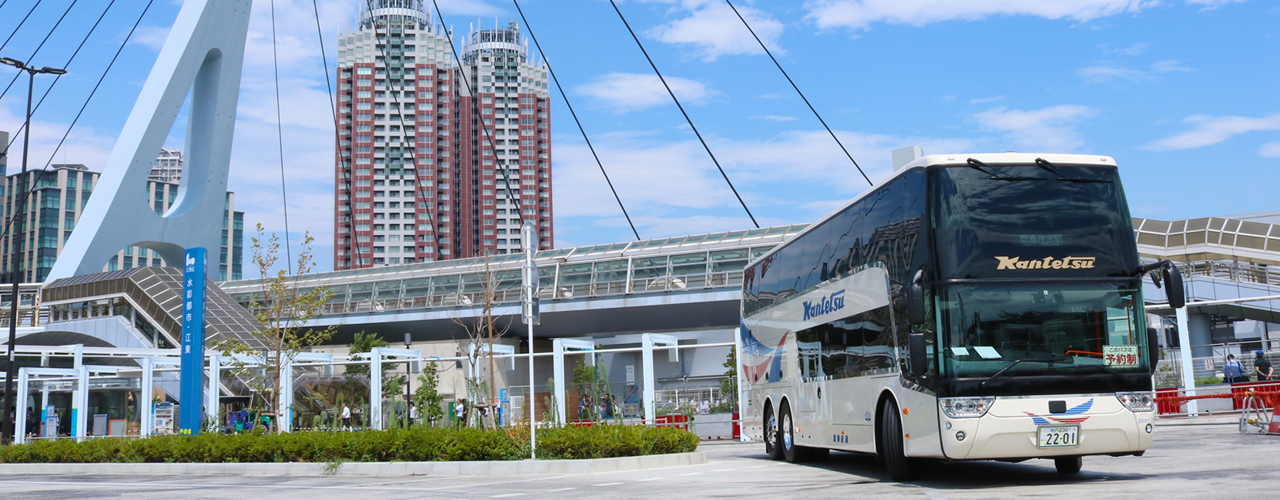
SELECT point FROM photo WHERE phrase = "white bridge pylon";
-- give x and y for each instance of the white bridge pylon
(204, 54)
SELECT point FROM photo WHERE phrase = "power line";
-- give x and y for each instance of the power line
(558, 87)
(284, 196)
(40, 174)
(59, 77)
(38, 47)
(484, 132)
(324, 58)
(682, 111)
(24, 21)
(794, 86)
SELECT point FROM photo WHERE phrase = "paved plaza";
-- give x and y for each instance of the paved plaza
(1192, 461)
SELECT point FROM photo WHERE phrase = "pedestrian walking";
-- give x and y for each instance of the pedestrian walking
(1262, 367)
(413, 414)
(1233, 371)
(461, 409)
(346, 417)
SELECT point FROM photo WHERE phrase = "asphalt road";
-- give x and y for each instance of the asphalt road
(1203, 461)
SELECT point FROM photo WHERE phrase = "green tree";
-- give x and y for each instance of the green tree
(591, 381)
(281, 307)
(427, 398)
(363, 343)
(729, 385)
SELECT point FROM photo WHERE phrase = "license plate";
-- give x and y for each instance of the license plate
(1059, 436)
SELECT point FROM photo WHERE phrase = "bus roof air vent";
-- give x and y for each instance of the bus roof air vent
(903, 156)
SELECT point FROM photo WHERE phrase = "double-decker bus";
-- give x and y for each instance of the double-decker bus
(969, 307)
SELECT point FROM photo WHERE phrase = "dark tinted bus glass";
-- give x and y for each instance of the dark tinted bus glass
(884, 228)
(1032, 222)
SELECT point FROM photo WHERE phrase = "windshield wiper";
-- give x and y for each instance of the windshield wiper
(979, 166)
(1016, 362)
(1049, 167)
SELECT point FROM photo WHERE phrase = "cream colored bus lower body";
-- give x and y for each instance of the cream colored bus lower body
(1023, 427)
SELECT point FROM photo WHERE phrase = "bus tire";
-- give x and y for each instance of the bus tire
(771, 435)
(1068, 465)
(787, 436)
(892, 449)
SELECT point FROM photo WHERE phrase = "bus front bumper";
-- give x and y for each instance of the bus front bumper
(1013, 428)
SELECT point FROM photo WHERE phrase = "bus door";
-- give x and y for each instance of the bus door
(811, 377)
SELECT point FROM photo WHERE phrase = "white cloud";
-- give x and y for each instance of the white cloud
(673, 188)
(1132, 50)
(1270, 150)
(624, 92)
(1209, 130)
(861, 14)
(1213, 4)
(984, 100)
(1169, 67)
(150, 36)
(775, 118)
(1107, 73)
(1048, 129)
(714, 29)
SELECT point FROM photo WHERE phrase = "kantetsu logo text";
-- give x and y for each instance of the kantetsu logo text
(1067, 262)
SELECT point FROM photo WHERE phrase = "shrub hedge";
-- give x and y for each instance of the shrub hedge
(414, 445)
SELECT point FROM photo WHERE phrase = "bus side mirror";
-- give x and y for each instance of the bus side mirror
(915, 300)
(1153, 347)
(1173, 287)
(917, 350)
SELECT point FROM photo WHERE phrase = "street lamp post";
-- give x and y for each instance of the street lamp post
(408, 380)
(17, 254)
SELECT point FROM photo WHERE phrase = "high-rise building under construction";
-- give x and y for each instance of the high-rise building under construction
(436, 161)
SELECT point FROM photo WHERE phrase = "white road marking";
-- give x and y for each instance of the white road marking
(560, 489)
(689, 474)
(507, 495)
(649, 479)
(606, 484)
(725, 470)
(755, 467)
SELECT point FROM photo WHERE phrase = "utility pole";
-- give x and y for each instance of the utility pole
(529, 239)
(16, 259)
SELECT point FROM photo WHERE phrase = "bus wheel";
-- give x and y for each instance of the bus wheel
(771, 436)
(787, 436)
(900, 467)
(1068, 465)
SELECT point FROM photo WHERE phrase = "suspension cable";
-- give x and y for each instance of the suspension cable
(484, 132)
(38, 47)
(24, 21)
(40, 174)
(56, 78)
(575, 118)
(794, 86)
(284, 196)
(333, 108)
(682, 111)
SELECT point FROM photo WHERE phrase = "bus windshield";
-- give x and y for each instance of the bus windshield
(1030, 221)
(1036, 329)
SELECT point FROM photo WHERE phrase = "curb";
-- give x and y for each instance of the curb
(477, 468)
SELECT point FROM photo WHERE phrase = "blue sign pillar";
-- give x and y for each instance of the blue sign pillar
(191, 392)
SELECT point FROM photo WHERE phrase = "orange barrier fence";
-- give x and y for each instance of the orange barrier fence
(1267, 392)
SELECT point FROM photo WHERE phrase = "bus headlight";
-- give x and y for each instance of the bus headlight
(1136, 401)
(966, 407)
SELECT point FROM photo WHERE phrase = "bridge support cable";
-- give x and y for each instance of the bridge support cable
(48, 89)
(484, 132)
(333, 108)
(395, 97)
(41, 46)
(20, 23)
(794, 86)
(682, 111)
(284, 196)
(575, 118)
(40, 175)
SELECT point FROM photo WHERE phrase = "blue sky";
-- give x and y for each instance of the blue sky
(1180, 92)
